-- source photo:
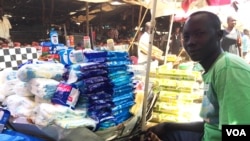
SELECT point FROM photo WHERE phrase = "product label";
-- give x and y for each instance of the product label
(64, 88)
(54, 39)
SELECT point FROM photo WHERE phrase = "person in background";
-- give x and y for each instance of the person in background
(5, 27)
(144, 40)
(176, 41)
(123, 33)
(144, 45)
(231, 41)
(163, 42)
(79, 46)
(113, 34)
(126, 32)
(245, 42)
(226, 90)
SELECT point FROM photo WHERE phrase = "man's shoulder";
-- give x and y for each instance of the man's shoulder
(232, 32)
(225, 32)
(5, 18)
(144, 36)
(232, 60)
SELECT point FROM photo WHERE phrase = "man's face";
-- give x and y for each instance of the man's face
(200, 39)
(177, 30)
(231, 22)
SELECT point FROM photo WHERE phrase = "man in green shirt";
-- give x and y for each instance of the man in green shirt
(226, 77)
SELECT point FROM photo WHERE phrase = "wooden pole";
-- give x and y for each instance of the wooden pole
(139, 18)
(101, 15)
(87, 18)
(137, 31)
(169, 35)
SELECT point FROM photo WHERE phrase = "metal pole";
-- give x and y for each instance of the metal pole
(144, 108)
(169, 35)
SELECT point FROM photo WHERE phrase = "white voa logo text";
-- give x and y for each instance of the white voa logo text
(236, 132)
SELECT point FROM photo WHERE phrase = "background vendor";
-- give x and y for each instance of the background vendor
(5, 27)
(144, 45)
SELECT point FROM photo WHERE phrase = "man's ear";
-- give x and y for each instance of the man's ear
(220, 34)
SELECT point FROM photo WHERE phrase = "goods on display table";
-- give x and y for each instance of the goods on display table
(59, 93)
(179, 90)
(180, 95)
(48, 98)
(55, 92)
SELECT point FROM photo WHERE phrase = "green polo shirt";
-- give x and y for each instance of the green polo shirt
(226, 95)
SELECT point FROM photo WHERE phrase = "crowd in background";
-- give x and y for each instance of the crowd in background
(234, 40)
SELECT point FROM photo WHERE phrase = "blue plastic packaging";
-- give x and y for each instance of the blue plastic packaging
(4, 117)
(46, 44)
(10, 135)
(54, 37)
(66, 95)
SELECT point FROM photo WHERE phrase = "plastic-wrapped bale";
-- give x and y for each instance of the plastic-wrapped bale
(45, 70)
(111, 106)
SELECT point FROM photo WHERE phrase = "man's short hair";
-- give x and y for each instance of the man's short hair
(213, 18)
(148, 24)
(233, 16)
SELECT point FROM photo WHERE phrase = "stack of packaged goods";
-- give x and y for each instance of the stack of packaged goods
(97, 93)
(180, 96)
(106, 86)
(50, 49)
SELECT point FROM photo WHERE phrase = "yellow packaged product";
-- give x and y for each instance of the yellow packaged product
(167, 96)
(179, 74)
(185, 86)
(136, 109)
(156, 52)
(166, 117)
(169, 83)
(184, 98)
(161, 117)
(171, 58)
(166, 107)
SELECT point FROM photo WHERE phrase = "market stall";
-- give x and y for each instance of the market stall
(62, 93)
(95, 94)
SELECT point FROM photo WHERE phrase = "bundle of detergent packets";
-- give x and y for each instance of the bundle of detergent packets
(41, 70)
(7, 83)
(40, 101)
(43, 87)
(105, 85)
